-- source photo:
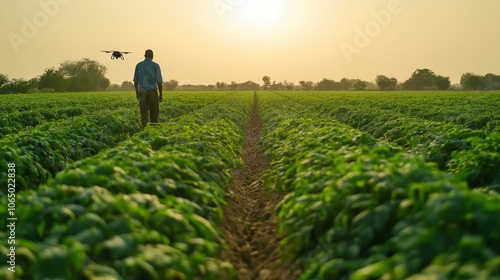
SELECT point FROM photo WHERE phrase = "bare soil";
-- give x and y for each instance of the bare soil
(250, 225)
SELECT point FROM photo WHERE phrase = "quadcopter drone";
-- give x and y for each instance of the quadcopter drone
(116, 54)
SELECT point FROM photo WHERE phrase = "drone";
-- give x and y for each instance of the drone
(116, 54)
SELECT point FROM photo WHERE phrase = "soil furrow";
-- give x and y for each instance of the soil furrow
(250, 226)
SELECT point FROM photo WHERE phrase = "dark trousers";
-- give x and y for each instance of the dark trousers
(148, 102)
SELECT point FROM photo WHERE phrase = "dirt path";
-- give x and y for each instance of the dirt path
(250, 225)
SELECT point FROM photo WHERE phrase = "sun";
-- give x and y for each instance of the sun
(262, 13)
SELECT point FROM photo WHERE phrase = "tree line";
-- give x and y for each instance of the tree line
(89, 75)
(421, 79)
(73, 76)
(174, 84)
(426, 79)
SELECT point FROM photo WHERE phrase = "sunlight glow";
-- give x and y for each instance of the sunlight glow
(262, 13)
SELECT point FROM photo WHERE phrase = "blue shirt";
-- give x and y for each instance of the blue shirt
(147, 73)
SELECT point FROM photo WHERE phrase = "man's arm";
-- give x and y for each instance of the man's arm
(136, 81)
(136, 85)
(159, 82)
(160, 89)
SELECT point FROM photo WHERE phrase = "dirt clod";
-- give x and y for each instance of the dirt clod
(264, 274)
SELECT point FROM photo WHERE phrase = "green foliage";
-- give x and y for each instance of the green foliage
(17, 86)
(147, 207)
(18, 112)
(471, 81)
(421, 79)
(77, 76)
(306, 85)
(359, 85)
(327, 84)
(480, 163)
(4, 79)
(42, 152)
(386, 83)
(52, 79)
(248, 85)
(360, 208)
(442, 83)
(367, 194)
(404, 119)
(171, 84)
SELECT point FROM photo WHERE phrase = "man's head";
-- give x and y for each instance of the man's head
(148, 54)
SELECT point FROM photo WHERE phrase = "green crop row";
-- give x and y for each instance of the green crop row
(480, 165)
(452, 147)
(94, 101)
(147, 208)
(359, 208)
(57, 107)
(17, 121)
(41, 152)
(473, 154)
(469, 109)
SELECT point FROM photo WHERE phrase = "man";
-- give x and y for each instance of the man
(148, 82)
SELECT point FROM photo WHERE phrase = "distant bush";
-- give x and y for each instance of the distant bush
(47, 90)
(33, 90)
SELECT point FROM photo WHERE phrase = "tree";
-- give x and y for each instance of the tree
(360, 85)
(386, 83)
(344, 84)
(171, 85)
(442, 83)
(491, 81)
(306, 85)
(17, 86)
(83, 75)
(288, 85)
(220, 85)
(82, 82)
(52, 79)
(127, 86)
(421, 79)
(277, 86)
(233, 85)
(249, 85)
(267, 82)
(4, 79)
(326, 84)
(114, 87)
(86, 65)
(33, 83)
(104, 83)
(471, 81)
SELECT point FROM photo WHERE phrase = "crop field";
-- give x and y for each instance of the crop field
(251, 185)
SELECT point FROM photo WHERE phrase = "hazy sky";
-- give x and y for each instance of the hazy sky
(206, 41)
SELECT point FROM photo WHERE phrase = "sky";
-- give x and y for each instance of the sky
(209, 41)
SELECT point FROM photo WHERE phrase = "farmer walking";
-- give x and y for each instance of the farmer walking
(148, 82)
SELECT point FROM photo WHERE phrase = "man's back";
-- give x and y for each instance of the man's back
(148, 83)
(147, 74)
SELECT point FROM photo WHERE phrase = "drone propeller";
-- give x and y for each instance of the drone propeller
(126, 52)
(107, 51)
